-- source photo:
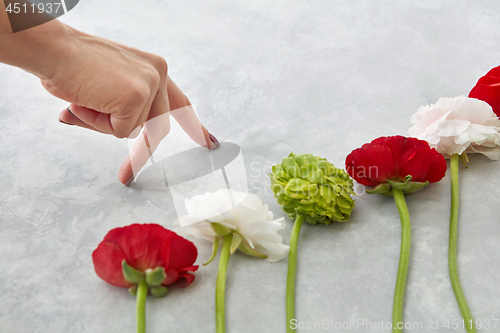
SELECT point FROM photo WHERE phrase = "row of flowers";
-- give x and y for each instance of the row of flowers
(147, 258)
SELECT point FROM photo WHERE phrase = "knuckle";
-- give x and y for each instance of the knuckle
(155, 79)
(161, 65)
(138, 93)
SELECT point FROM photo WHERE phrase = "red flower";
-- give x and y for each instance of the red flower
(394, 158)
(144, 247)
(488, 89)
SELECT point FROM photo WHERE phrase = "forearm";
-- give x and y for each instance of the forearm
(37, 50)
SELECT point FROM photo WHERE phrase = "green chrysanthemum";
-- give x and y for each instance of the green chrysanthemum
(313, 187)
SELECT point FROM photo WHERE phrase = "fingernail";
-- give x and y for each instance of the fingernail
(70, 111)
(129, 181)
(65, 122)
(214, 140)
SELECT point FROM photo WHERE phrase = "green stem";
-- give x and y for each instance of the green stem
(220, 289)
(142, 293)
(452, 249)
(404, 260)
(291, 275)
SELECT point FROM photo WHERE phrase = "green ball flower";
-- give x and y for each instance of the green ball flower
(311, 186)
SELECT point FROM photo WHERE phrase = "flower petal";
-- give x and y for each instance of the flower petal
(188, 277)
(178, 252)
(428, 115)
(172, 277)
(424, 164)
(246, 215)
(371, 164)
(274, 251)
(473, 110)
(488, 89)
(493, 153)
(462, 121)
(263, 230)
(265, 239)
(141, 244)
(408, 156)
(107, 259)
(198, 230)
(188, 220)
(484, 129)
(452, 127)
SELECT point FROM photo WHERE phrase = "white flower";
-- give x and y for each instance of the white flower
(249, 218)
(455, 125)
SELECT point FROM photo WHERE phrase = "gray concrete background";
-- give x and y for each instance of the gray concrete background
(319, 77)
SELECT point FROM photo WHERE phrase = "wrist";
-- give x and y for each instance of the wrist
(38, 50)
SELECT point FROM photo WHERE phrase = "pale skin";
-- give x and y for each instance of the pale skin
(112, 88)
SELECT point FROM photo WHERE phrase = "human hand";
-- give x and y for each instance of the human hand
(117, 90)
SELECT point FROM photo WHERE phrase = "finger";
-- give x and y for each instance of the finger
(119, 126)
(176, 98)
(91, 118)
(146, 144)
(69, 118)
(188, 120)
(183, 112)
(154, 131)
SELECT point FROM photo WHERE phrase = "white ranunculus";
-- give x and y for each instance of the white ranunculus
(455, 125)
(249, 218)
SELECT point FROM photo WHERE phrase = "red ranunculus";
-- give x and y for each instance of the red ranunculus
(393, 158)
(144, 247)
(488, 89)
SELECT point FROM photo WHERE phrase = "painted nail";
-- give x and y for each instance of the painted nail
(65, 122)
(214, 140)
(70, 111)
(129, 181)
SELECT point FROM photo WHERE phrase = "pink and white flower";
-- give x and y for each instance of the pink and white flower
(455, 125)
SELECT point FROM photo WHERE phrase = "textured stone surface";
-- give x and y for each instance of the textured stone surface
(319, 77)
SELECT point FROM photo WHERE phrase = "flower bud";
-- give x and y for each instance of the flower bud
(309, 185)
